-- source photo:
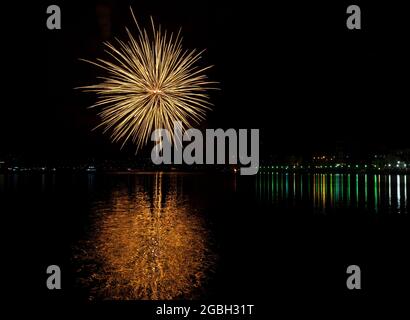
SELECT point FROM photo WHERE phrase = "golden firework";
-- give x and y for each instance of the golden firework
(150, 83)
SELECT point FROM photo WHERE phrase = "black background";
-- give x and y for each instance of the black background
(291, 69)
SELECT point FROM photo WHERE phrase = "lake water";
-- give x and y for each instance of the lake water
(212, 236)
(326, 192)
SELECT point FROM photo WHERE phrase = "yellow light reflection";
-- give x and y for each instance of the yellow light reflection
(145, 247)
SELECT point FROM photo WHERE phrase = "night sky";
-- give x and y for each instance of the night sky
(293, 70)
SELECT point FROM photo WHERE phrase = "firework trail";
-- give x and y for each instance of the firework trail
(150, 83)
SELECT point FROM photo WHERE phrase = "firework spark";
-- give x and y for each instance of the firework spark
(150, 83)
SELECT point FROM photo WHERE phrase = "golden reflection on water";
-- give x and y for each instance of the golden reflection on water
(145, 246)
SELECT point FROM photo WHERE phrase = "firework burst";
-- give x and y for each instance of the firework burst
(150, 83)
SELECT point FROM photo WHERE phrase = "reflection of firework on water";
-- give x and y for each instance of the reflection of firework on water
(150, 84)
(145, 250)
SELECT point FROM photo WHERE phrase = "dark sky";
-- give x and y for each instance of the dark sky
(293, 70)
